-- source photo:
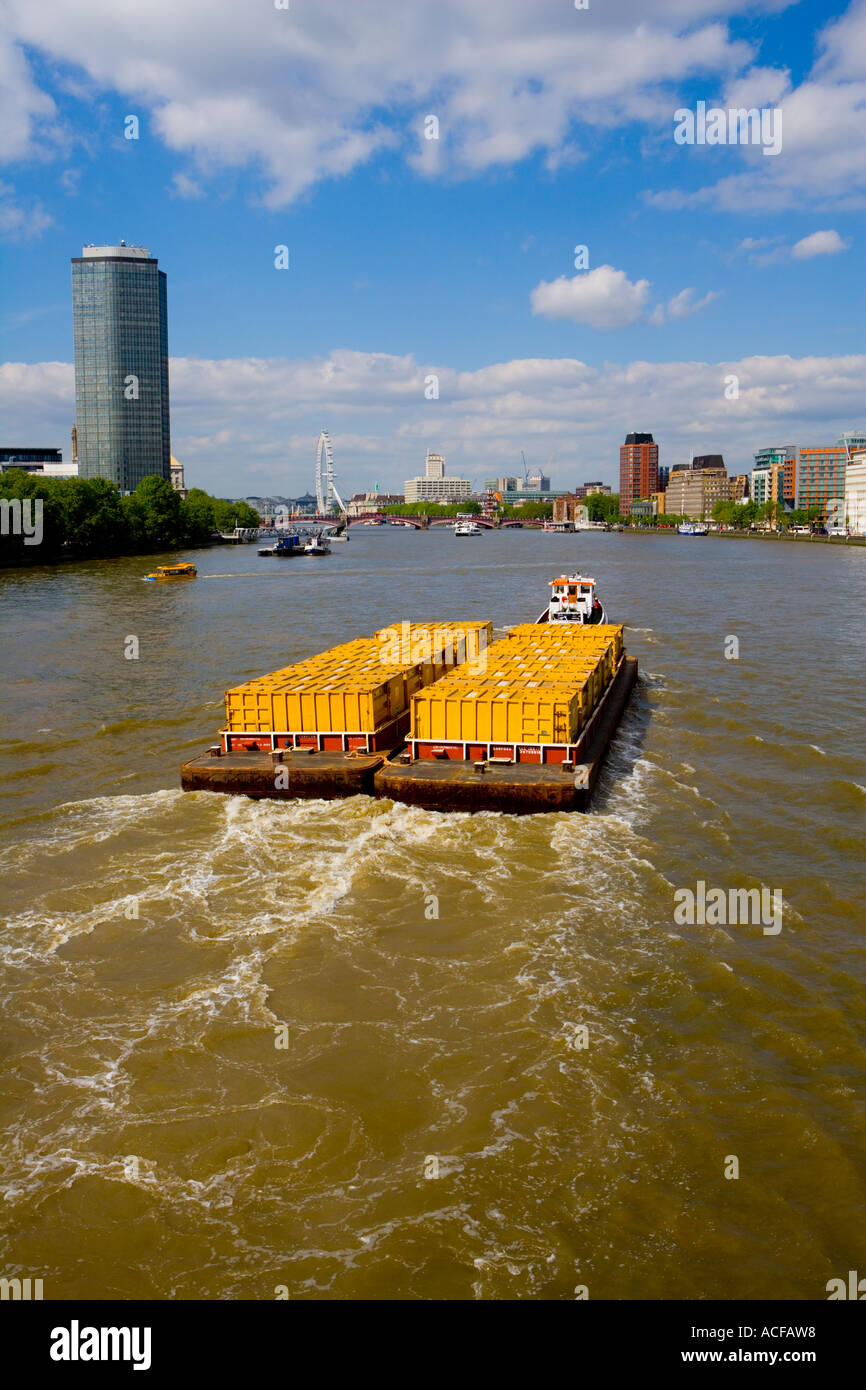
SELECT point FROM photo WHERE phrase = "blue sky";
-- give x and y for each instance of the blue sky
(261, 127)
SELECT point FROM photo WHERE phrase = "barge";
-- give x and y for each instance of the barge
(436, 715)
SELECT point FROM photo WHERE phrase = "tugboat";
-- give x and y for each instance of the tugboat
(573, 600)
(183, 571)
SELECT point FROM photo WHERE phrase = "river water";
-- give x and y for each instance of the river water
(434, 1126)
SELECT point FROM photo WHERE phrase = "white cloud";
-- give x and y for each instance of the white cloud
(250, 425)
(827, 243)
(314, 91)
(606, 298)
(21, 220)
(823, 155)
(763, 251)
(25, 112)
(602, 298)
(185, 187)
(69, 181)
(682, 306)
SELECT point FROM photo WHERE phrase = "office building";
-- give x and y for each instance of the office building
(504, 484)
(694, 489)
(537, 482)
(435, 486)
(643, 508)
(821, 474)
(761, 485)
(439, 490)
(855, 492)
(664, 475)
(638, 470)
(120, 330)
(591, 490)
(46, 462)
(29, 458)
(776, 470)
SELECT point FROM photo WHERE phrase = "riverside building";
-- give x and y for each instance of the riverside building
(638, 470)
(822, 470)
(435, 486)
(774, 475)
(47, 462)
(694, 488)
(855, 493)
(120, 328)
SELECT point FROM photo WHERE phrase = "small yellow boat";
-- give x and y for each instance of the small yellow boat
(185, 571)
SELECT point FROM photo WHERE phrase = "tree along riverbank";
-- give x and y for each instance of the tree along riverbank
(47, 520)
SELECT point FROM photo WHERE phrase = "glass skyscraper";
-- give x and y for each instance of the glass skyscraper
(121, 365)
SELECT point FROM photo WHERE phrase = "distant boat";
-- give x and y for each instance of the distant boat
(467, 528)
(239, 536)
(285, 546)
(693, 528)
(317, 545)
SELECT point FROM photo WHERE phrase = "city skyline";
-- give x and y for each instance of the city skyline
(545, 275)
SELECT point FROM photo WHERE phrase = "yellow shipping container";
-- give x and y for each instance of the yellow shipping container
(554, 663)
(575, 676)
(555, 657)
(337, 711)
(447, 625)
(318, 704)
(441, 646)
(570, 632)
(483, 712)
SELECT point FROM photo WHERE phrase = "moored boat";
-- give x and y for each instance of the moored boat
(284, 547)
(317, 545)
(692, 528)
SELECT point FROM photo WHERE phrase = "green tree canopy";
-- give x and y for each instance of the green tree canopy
(154, 514)
(197, 516)
(603, 506)
(228, 515)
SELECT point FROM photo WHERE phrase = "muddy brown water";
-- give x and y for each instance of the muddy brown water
(337, 1049)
